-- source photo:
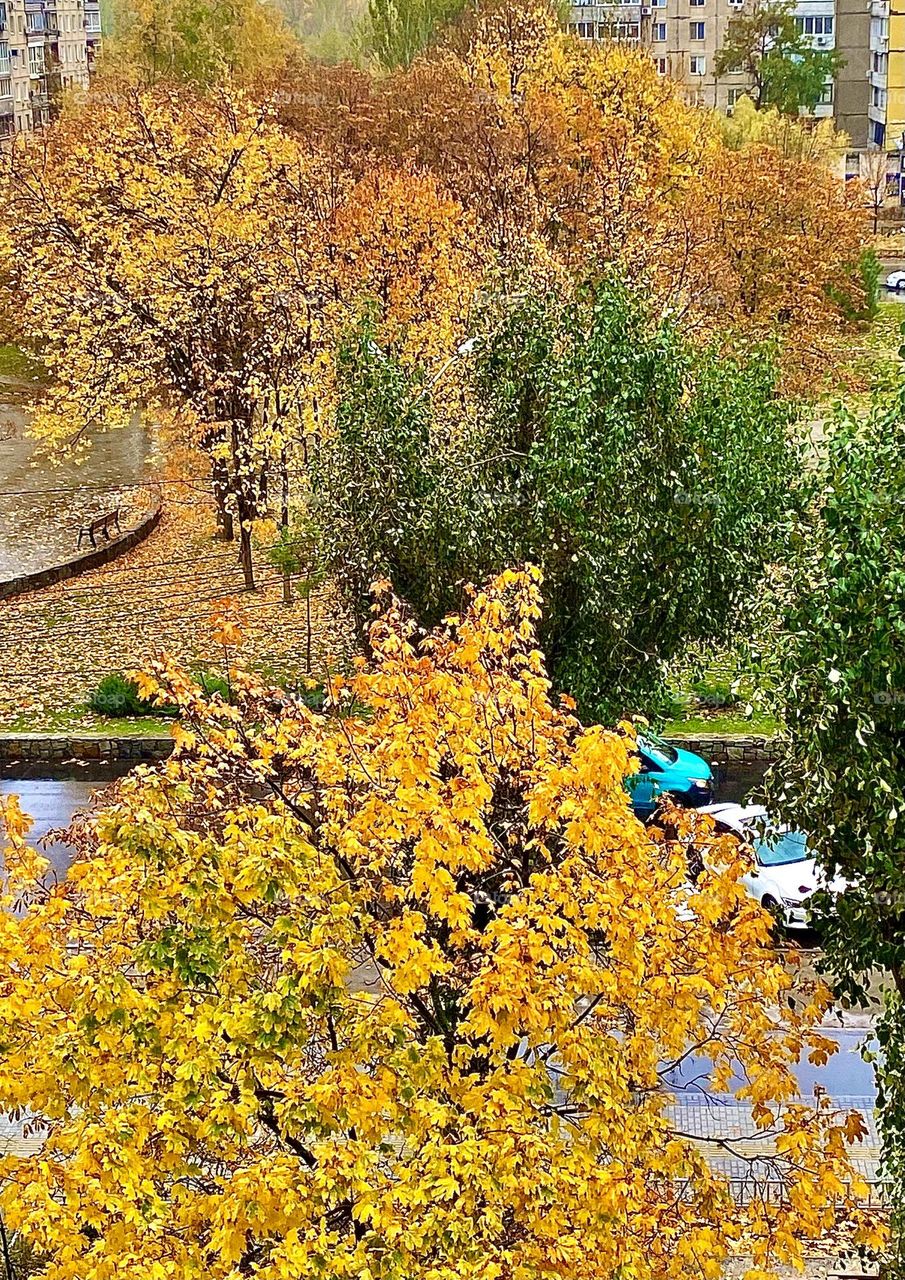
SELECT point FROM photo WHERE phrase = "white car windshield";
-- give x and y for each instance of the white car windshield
(781, 848)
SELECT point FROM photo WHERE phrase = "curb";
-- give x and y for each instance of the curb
(81, 564)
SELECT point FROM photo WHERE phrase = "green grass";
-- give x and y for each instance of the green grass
(80, 721)
(719, 723)
(18, 364)
(877, 362)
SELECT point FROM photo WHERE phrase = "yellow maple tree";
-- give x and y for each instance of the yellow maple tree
(172, 249)
(390, 992)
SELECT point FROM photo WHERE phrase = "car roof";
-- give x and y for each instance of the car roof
(736, 816)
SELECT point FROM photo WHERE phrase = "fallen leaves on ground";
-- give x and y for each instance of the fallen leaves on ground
(159, 597)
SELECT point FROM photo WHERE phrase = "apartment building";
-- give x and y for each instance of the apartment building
(46, 46)
(685, 36)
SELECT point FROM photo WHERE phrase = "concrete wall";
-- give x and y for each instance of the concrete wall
(853, 83)
(93, 559)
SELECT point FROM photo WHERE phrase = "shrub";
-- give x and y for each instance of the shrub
(117, 695)
(715, 695)
(212, 684)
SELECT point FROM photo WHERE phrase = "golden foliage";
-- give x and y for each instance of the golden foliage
(388, 992)
(199, 42)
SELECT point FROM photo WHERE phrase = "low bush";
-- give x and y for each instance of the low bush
(118, 696)
(212, 684)
(715, 695)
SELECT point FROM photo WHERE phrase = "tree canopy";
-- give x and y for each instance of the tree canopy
(197, 41)
(649, 479)
(391, 992)
(841, 660)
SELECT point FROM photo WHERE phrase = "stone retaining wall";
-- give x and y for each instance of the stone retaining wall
(731, 749)
(36, 747)
(92, 559)
(39, 748)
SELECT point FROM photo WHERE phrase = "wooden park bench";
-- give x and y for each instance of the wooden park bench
(103, 524)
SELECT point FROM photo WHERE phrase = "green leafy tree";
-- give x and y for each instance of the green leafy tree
(648, 479)
(786, 70)
(842, 778)
(396, 31)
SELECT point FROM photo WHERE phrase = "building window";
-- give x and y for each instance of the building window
(826, 97)
(698, 65)
(658, 31)
(696, 30)
(815, 25)
(2, 15)
(878, 133)
(696, 4)
(4, 58)
(35, 20)
(662, 65)
(36, 64)
(732, 97)
(658, 4)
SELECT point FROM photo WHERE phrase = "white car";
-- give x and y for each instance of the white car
(784, 875)
(895, 280)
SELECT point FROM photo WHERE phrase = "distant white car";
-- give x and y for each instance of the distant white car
(895, 280)
(784, 875)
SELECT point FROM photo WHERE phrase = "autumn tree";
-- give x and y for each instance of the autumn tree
(649, 479)
(573, 157)
(392, 992)
(814, 142)
(775, 250)
(200, 41)
(165, 246)
(786, 70)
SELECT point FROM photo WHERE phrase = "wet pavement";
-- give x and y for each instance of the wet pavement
(42, 506)
(51, 804)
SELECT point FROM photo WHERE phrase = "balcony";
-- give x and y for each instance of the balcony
(616, 12)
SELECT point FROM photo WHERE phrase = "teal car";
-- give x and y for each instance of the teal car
(668, 771)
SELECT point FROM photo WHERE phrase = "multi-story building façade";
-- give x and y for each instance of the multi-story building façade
(684, 37)
(46, 46)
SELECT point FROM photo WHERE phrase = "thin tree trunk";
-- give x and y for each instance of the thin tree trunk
(284, 522)
(246, 508)
(248, 568)
(308, 631)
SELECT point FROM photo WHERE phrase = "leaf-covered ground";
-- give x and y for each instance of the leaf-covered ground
(160, 597)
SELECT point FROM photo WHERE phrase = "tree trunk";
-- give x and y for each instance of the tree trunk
(284, 522)
(248, 568)
(308, 631)
(243, 490)
(225, 527)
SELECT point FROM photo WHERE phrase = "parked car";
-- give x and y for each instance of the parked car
(895, 280)
(784, 875)
(668, 771)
